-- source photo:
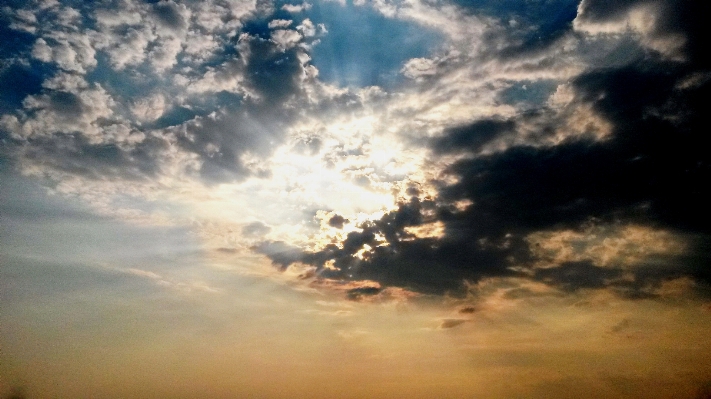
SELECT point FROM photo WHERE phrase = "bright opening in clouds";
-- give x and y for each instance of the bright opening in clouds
(349, 199)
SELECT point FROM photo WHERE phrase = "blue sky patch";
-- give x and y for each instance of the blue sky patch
(536, 22)
(528, 93)
(19, 81)
(365, 48)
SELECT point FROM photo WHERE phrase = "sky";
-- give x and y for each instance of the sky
(354, 199)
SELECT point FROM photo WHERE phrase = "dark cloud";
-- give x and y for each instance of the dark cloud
(272, 72)
(672, 17)
(26, 201)
(621, 326)
(421, 264)
(573, 276)
(356, 294)
(651, 170)
(603, 10)
(337, 221)
(451, 323)
(75, 154)
(279, 252)
(168, 14)
(528, 93)
(470, 138)
(412, 191)
(224, 138)
(67, 105)
(256, 229)
(528, 26)
(254, 127)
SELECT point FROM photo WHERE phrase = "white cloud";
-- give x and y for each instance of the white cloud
(129, 49)
(24, 20)
(279, 23)
(641, 20)
(200, 46)
(45, 4)
(163, 55)
(228, 77)
(70, 51)
(150, 108)
(418, 67)
(242, 8)
(307, 28)
(42, 51)
(127, 12)
(69, 17)
(296, 8)
(286, 38)
(70, 105)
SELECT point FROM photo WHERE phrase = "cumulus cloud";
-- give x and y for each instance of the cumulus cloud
(70, 52)
(286, 38)
(296, 8)
(279, 23)
(171, 16)
(69, 106)
(337, 221)
(150, 108)
(128, 49)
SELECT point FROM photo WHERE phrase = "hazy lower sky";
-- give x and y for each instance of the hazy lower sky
(354, 199)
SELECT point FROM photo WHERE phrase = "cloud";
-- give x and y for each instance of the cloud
(170, 15)
(296, 8)
(418, 67)
(279, 23)
(509, 164)
(467, 310)
(496, 128)
(451, 323)
(279, 252)
(67, 105)
(230, 143)
(256, 229)
(308, 29)
(617, 162)
(573, 276)
(150, 108)
(128, 49)
(286, 38)
(471, 138)
(355, 294)
(71, 52)
(664, 26)
(272, 71)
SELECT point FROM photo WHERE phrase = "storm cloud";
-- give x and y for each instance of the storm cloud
(649, 171)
